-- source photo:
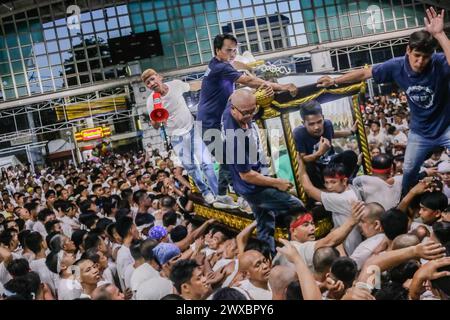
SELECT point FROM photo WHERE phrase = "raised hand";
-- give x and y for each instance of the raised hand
(434, 22)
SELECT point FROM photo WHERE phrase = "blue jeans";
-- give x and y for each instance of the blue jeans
(224, 173)
(417, 149)
(196, 160)
(266, 206)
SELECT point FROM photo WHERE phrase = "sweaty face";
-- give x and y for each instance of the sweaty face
(260, 269)
(335, 185)
(418, 60)
(89, 272)
(304, 232)
(197, 284)
(314, 125)
(216, 240)
(228, 51)
(428, 216)
(154, 83)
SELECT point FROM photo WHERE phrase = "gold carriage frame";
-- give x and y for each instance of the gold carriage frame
(273, 109)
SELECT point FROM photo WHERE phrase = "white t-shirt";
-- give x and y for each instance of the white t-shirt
(141, 274)
(69, 289)
(380, 139)
(375, 189)
(154, 289)
(127, 276)
(340, 204)
(124, 259)
(366, 249)
(254, 292)
(48, 277)
(39, 227)
(306, 251)
(180, 119)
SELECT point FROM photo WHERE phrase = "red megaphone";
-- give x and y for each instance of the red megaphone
(159, 113)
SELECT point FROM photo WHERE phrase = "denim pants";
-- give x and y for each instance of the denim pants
(266, 206)
(196, 160)
(417, 149)
(224, 173)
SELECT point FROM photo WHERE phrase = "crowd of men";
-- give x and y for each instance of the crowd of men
(125, 227)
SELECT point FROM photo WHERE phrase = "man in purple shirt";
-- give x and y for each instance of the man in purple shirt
(217, 86)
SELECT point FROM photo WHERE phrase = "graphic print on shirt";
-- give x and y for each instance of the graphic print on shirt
(423, 97)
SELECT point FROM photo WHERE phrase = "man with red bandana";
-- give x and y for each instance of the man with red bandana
(302, 232)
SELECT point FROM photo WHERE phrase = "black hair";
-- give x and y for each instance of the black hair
(44, 213)
(110, 229)
(441, 230)
(20, 224)
(138, 195)
(126, 193)
(96, 186)
(169, 218)
(391, 129)
(91, 254)
(344, 269)
(54, 241)
(123, 226)
(434, 200)
(260, 246)
(182, 272)
(392, 287)
(20, 287)
(323, 258)
(144, 218)
(49, 193)
(62, 205)
(92, 240)
(310, 108)
(146, 249)
(394, 223)
(102, 224)
(135, 249)
(172, 296)
(178, 233)
(294, 291)
(228, 294)
(422, 41)
(30, 206)
(88, 218)
(51, 261)
(22, 235)
(220, 39)
(77, 237)
(382, 161)
(33, 241)
(168, 202)
(18, 267)
(334, 169)
(50, 224)
(85, 205)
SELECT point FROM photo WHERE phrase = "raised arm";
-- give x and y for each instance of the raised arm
(310, 189)
(190, 238)
(308, 285)
(434, 24)
(338, 235)
(244, 235)
(350, 77)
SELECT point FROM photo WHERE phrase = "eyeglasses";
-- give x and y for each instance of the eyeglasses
(247, 113)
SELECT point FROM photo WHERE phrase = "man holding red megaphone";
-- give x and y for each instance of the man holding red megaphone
(168, 110)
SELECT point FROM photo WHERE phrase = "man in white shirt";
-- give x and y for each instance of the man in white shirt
(398, 140)
(338, 199)
(371, 229)
(377, 137)
(255, 268)
(444, 172)
(185, 136)
(147, 270)
(189, 281)
(302, 231)
(128, 231)
(380, 187)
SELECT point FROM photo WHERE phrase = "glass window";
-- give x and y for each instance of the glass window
(149, 16)
(305, 4)
(11, 40)
(82, 66)
(124, 21)
(17, 66)
(87, 27)
(57, 71)
(45, 73)
(343, 61)
(54, 59)
(4, 68)
(401, 24)
(136, 19)
(52, 46)
(49, 34)
(14, 53)
(195, 59)
(7, 81)
(112, 23)
(356, 31)
(308, 15)
(42, 61)
(24, 39)
(62, 32)
(125, 31)
(47, 86)
(35, 88)
(186, 11)
(188, 23)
